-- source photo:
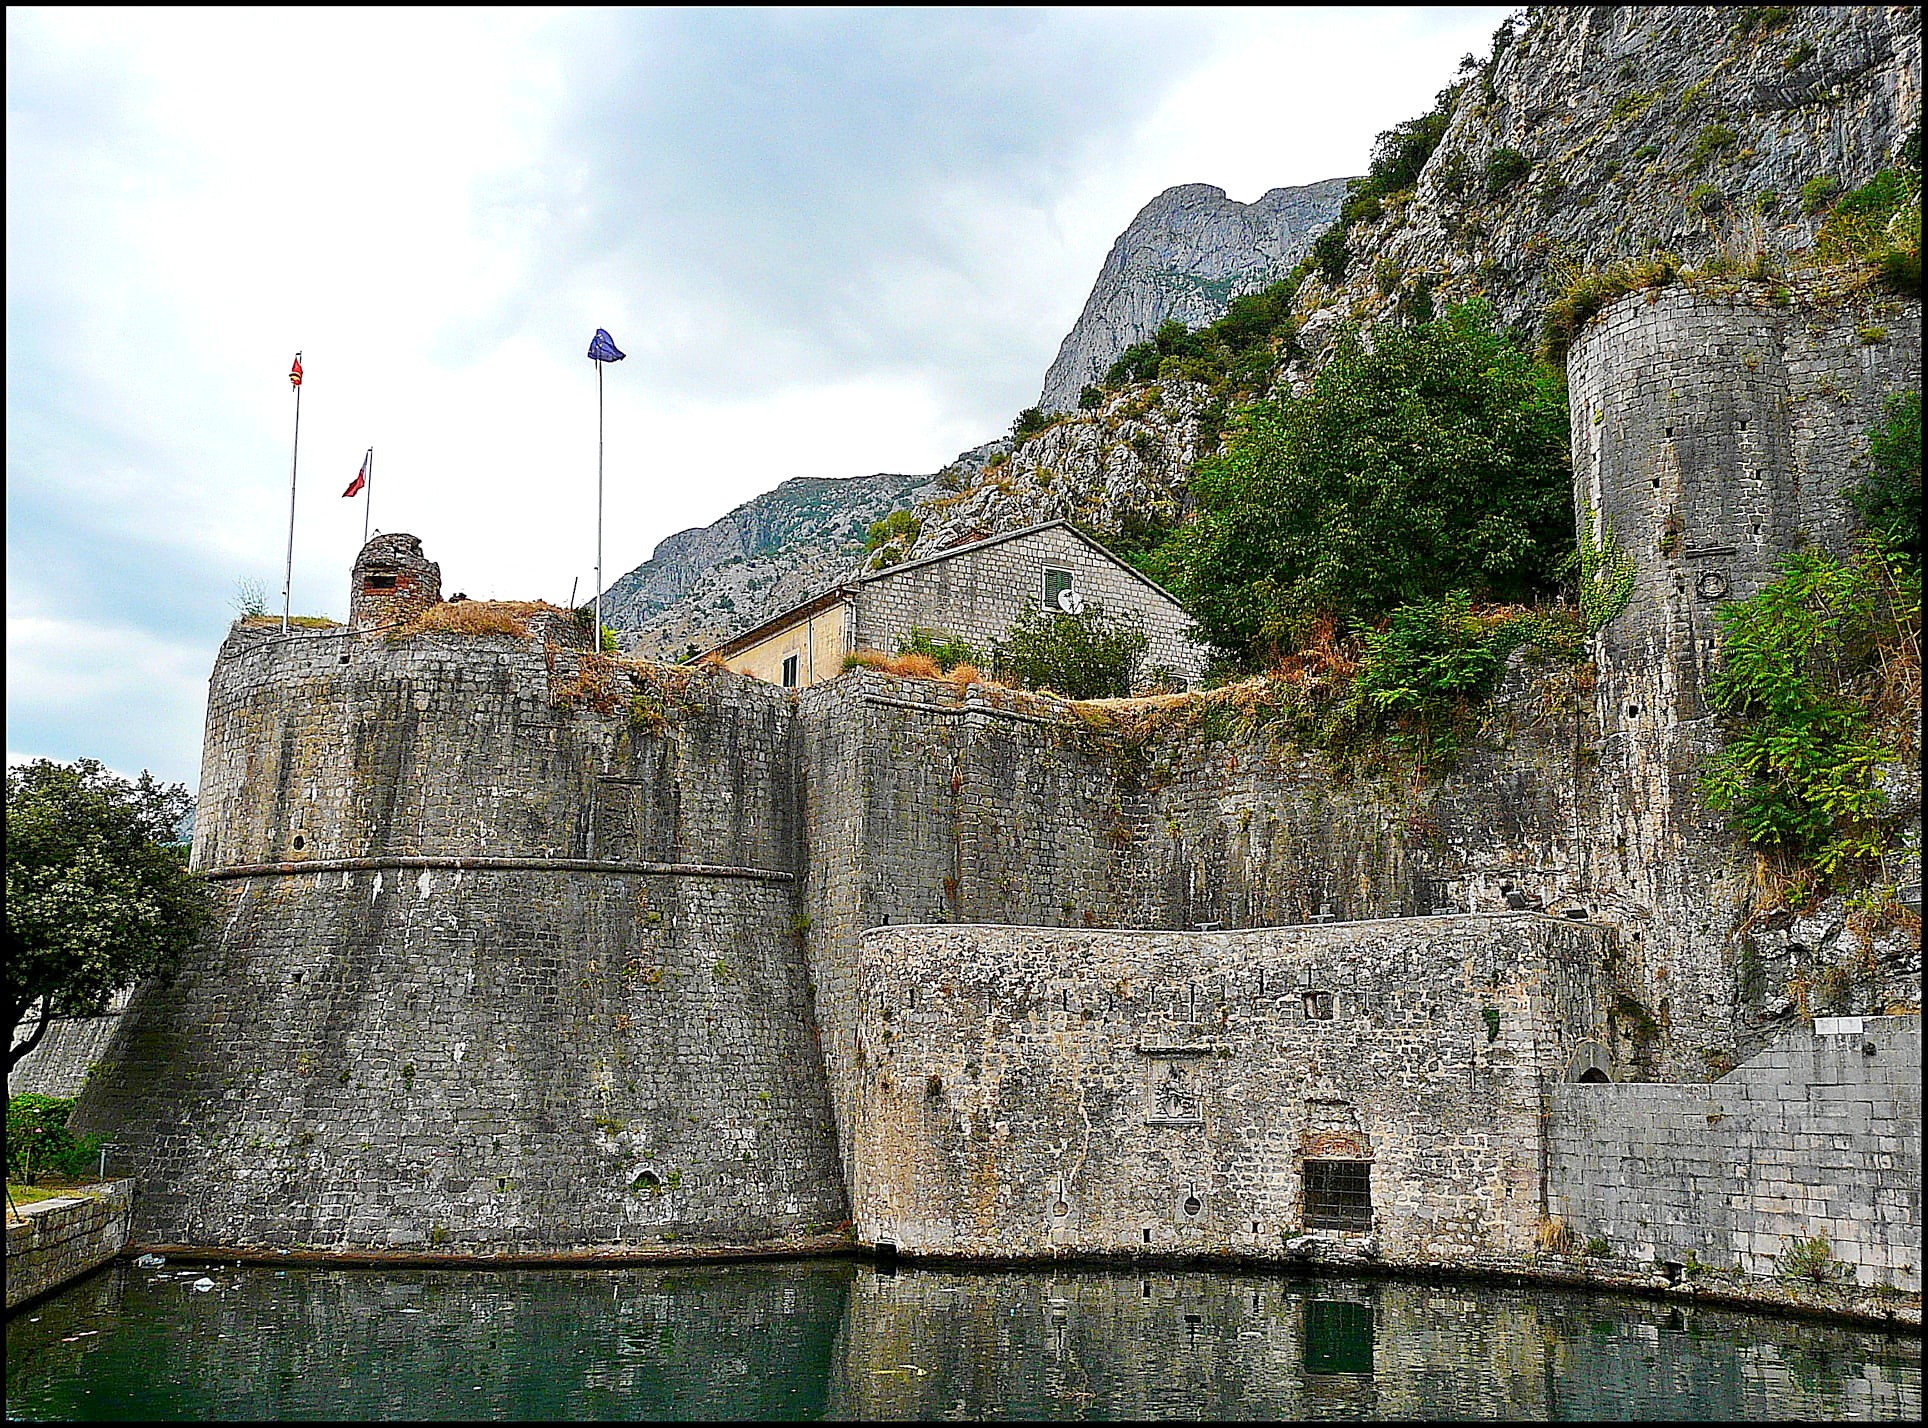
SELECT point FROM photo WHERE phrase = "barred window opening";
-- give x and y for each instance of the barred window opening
(1338, 1194)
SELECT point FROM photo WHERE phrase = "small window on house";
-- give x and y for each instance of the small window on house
(789, 671)
(1056, 582)
(1338, 1194)
(379, 582)
(1318, 1006)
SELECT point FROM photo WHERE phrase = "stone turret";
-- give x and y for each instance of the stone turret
(393, 582)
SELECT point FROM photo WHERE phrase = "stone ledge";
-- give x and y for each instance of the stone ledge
(802, 1246)
(56, 1241)
(467, 864)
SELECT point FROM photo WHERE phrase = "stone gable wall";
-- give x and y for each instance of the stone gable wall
(977, 595)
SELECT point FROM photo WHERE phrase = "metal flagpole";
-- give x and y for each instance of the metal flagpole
(596, 639)
(288, 574)
(368, 496)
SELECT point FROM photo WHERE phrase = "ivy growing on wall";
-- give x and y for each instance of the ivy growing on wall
(1606, 571)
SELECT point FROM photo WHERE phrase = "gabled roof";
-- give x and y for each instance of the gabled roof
(823, 600)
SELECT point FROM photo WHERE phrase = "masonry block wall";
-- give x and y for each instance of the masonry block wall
(492, 972)
(64, 1239)
(978, 594)
(1022, 1091)
(923, 806)
(1712, 435)
(1821, 1135)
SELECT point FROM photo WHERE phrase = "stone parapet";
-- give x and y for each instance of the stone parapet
(56, 1241)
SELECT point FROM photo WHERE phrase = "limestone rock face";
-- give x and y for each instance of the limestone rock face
(1120, 464)
(1188, 253)
(1606, 132)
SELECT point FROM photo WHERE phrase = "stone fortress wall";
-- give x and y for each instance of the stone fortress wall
(1819, 1136)
(1713, 434)
(492, 972)
(497, 971)
(1020, 1091)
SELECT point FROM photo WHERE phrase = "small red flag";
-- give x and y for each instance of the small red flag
(361, 477)
(294, 374)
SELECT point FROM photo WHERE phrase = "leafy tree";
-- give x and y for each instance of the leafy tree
(38, 1139)
(1436, 460)
(98, 891)
(1086, 656)
(1029, 423)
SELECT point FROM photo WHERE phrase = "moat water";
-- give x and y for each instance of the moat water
(830, 1338)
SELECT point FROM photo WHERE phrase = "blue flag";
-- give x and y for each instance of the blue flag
(602, 349)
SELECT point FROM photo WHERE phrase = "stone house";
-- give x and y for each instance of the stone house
(973, 592)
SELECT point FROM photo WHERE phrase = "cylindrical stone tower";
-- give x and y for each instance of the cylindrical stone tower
(393, 582)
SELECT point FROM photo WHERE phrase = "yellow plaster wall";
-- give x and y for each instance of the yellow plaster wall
(819, 641)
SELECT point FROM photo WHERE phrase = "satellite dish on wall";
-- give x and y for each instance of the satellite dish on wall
(1071, 602)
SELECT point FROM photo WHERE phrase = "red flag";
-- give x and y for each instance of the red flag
(361, 476)
(294, 374)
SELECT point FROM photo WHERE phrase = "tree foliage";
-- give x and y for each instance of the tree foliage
(1085, 656)
(1436, 460)
(38, 1140)
(98, 892)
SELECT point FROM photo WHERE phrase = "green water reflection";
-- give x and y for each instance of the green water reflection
(825, 1338)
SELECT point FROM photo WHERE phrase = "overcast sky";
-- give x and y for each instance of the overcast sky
(831, 242)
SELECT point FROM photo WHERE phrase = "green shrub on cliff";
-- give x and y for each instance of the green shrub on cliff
(1435, 461)
(1888, 497)
(1809, 665)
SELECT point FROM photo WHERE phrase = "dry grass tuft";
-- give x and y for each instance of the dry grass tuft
(908, 666)
(1556, 1236)
(476, 617)
(306, 622)
(963, 676)
(917, 666)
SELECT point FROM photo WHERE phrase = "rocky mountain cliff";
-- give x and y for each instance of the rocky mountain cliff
(1188, 253)
(1590, 134)
(1596, 133)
